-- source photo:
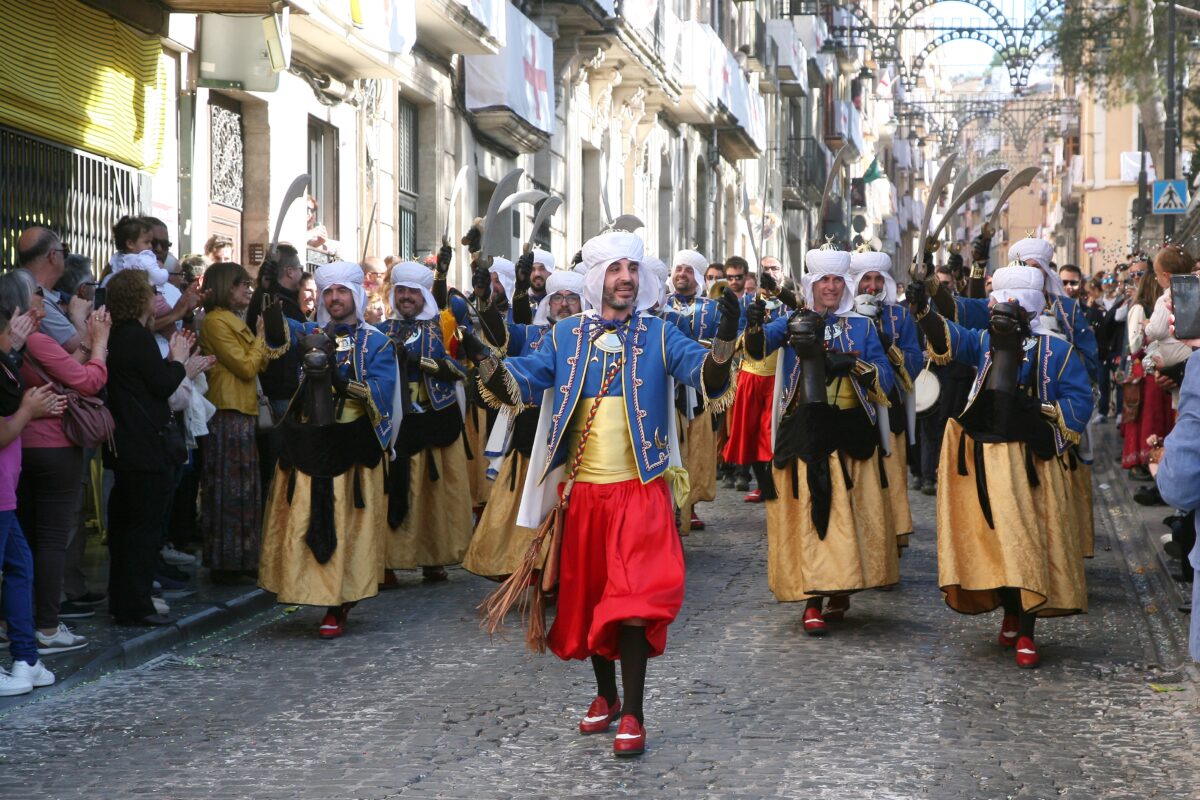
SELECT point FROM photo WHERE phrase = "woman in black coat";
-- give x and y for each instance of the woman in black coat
(140, 382)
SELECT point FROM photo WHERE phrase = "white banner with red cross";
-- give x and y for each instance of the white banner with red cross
(520, 77)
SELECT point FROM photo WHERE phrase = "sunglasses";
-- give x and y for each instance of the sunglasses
(1070, 283)
(164, 244)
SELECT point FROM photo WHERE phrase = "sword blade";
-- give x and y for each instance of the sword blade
(293, 193)
(460, 182)
(981, 184)
(506, 186)
(1019, 181)
(935, 191)
(544, 213)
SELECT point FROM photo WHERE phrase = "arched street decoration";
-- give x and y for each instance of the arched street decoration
(1018, 119)
(1018, 47)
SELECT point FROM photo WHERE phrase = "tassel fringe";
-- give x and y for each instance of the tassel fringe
(523, 591)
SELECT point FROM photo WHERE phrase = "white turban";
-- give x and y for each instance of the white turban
(146, 261)
(601, 251)
(1040, 252)
(655, 266)
(506, 271)
(414, 276)
(565, 281)
(828, 262)
(545, 258)
(699, 265)
(1024, 286)
(340, 273)
(871, 261)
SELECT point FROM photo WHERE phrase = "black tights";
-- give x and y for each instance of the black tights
(635, 652)
(1010, 599)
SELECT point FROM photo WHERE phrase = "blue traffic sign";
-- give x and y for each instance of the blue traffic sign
(1170, 197)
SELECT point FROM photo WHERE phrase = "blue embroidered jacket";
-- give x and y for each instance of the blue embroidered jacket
(698, 317)
(972, 312)
(424, 340)
(778, 311)
(525, 339)
(372, 362)
(902, 328)
(569, 362)
(1061, 379)
(843, 335)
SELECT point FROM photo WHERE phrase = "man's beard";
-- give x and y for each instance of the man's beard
(685, 288)
(618, 304)
(538, 284)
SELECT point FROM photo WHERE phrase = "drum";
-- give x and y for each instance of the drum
(926, 391)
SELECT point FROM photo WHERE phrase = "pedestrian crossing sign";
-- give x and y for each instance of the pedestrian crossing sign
(1170, 197)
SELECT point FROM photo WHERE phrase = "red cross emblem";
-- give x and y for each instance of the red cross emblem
(535, 77)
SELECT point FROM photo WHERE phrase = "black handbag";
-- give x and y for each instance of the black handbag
(170, 436)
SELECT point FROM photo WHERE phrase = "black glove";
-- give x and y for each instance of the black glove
(731, 313)
(756, 313)
(445, 253)
(578, 259)
(474, 236)
(481, 279)
(806, 334)
(955, 262)
(524, 268)
(981, 246)
(918, 297)
(839, 364)
(442, 369)
(470, 346)
(767, 282)
(274, 325)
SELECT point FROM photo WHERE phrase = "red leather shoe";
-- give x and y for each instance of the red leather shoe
(333, 626)
(836, 608)
(1008, 631)
(1027, 654)
(697, 523)
(814, 623)
(599, 716)
(754, 496)
(631, 737)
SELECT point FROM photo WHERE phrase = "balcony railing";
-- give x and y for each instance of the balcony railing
(804, 172)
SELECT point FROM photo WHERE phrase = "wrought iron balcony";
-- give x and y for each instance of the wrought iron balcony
(804, 171)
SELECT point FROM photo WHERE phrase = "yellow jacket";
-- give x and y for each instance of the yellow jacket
(240, 357)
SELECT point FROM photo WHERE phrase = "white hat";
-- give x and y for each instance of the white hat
(414, 276)
(545, 258)
(1041, 253)
(340, 273)
(699, 265)
(871, 261)
(1022, 285)
(506, 272)
(828, 262)
(564, 281)
(600, 252)
(653, 265)
(146, 261)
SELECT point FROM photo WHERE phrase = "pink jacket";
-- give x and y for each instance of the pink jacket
(87, 379)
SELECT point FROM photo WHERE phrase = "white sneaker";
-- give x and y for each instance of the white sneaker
(161, 606)
(37, 675)
(177, 557)
(63, 641)
(11, 686)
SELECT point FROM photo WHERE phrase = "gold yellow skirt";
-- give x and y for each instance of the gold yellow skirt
(859, 549)
(437, 530)
(896, 468)
(499, 544)
(477, 465)
(287, 567)
(1034, 546)
(1080, 483)
(700, 460)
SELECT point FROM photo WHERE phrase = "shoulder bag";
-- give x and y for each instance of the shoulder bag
(86, 421)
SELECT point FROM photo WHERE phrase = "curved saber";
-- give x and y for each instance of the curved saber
(544, 213)
(935, 191)
(294, 192)
(506, 186)
(842, 154)
(628, 223)
(981, 184)
(1019, 181)
(460, 182)
(531, 196)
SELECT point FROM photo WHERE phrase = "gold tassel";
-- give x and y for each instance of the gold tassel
(522, 590)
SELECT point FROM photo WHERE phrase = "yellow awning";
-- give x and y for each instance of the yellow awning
(74, 75)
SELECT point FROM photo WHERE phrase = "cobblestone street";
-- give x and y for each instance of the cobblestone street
(904, 699)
